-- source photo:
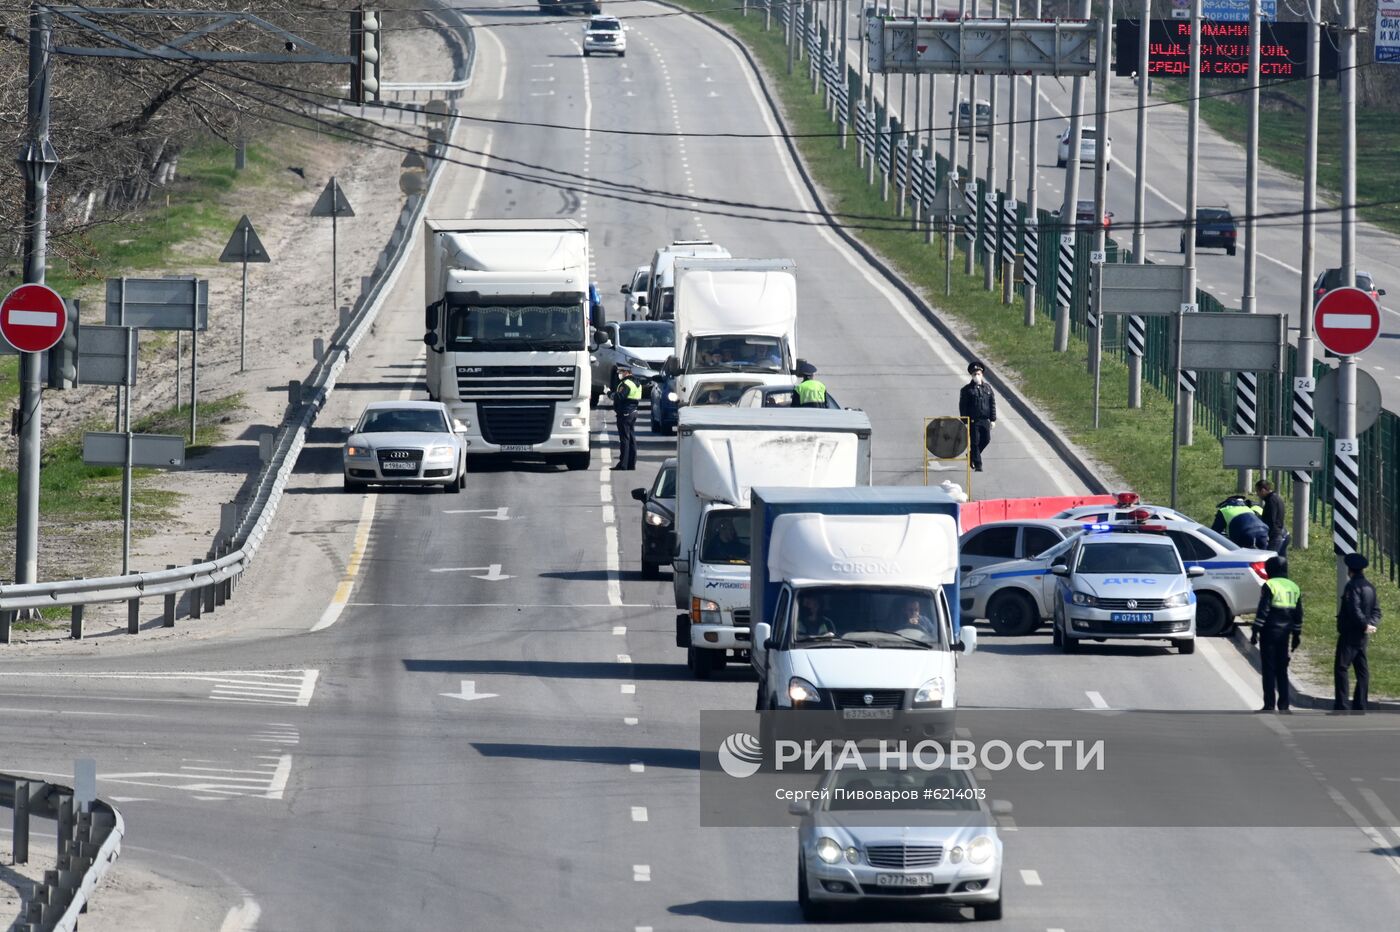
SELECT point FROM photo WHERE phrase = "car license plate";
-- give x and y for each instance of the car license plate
(904, 880)
(393, 465)
(1135, 617)
(516, 448)
(868, 713)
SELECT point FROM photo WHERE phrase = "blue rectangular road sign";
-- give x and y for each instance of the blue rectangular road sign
(1237, 11)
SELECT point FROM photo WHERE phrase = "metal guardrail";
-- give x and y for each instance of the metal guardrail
(210, 582)
(89, 843)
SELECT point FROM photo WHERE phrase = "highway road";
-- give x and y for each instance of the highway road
(1221, 182)
(453, 747)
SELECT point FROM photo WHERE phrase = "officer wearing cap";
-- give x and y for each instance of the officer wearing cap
(1358, 616)
(978, 403)
(1278, 629)
(810, 392)
(626, 397)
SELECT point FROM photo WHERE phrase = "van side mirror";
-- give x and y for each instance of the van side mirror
(625, 289)
(640, 495)
(672, 367)
(430, 338)
(763, 635)
(641, 300)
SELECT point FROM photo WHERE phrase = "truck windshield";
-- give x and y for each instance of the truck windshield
(736, 354)
(725, 537)
(871, 616)
(506, 328)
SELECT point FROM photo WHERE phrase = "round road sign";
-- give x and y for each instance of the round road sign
(33, 318)
(1347, 321)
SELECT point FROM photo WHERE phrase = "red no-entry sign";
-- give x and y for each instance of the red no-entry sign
(33, 318)
(1347, 320)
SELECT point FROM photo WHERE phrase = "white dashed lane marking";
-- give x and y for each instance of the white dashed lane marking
(1031, 878)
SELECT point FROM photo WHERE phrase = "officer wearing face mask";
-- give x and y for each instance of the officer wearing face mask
(978, 403)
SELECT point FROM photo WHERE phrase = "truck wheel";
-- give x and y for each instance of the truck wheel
(1212, 617)
(578, 460)
(651, 570)
(702, 662)
(683, 633)
(1012, 614)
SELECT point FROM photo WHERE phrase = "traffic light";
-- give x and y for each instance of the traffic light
(63, 357)
(364, 50)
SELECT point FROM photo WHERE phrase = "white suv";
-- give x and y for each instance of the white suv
(604, 34)
(1088, 142)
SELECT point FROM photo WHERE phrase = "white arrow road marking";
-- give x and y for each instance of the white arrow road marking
(491, 514)
(469, 692)
(20, 318)
(492, 572)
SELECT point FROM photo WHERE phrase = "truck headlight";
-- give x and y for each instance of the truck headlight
(655, 518)
(930, 693)
(703, 611)
(829, 850)
(799, 690)
(568, 422)
(1178, 600)
(356, 453)
(1084, 598)
(442, 453)
(975, 580)
(981, 849)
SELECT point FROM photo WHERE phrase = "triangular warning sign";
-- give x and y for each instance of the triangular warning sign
(244, 245)
(332, 202)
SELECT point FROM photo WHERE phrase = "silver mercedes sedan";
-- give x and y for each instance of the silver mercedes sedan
(405, 443)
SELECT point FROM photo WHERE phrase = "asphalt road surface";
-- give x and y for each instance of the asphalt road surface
(343, 780)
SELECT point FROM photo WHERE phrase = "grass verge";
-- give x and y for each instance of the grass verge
(1134, 443)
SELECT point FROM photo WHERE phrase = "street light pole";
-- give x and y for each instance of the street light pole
(1302, 392)
(971, 264)
(1345, 530)
(1032, 206)
(1137, 327)
(1183, 399)
(37, 160)
(1247, 383)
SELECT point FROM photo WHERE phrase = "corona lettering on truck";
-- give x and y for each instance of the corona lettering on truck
(854, 597)
(721, 454)
(507, 321)
(736, 326)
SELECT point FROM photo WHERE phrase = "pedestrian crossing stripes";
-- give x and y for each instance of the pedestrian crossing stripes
(292, 687)
(1246, 403)
(1345, 503)
(1302, 421)
(1137, 335)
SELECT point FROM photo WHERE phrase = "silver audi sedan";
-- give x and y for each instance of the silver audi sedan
(405, 443)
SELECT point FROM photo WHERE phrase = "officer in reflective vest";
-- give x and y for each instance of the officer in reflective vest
(1278, 629)
(626, 397)
(810, 392)
(1239, 519)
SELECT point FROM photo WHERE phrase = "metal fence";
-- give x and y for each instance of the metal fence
(916, 175)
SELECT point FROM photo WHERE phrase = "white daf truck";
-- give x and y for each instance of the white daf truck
(507, 320)
(721, 454)
(736, 326)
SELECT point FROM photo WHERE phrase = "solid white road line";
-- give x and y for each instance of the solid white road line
(1248, 696)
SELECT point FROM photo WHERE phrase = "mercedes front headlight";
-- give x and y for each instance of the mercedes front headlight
(829, 850)
(981, 849)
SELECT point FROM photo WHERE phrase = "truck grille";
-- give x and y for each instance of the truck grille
(488, 383)
(879, 698)
(516, 424)
(904, 856)
(741, 617)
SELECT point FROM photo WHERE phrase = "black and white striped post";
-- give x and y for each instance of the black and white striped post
(1137, 348)
(1009, 229)
(1064, 291)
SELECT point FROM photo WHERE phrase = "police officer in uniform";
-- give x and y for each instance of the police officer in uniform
(1357, 619)
(1239, 519)
(810, 392)
(1278, 629)
(978, 403)
(626, 397)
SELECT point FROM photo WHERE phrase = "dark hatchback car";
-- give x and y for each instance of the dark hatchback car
(658, 519)
(1332, 279)
(1215, 227)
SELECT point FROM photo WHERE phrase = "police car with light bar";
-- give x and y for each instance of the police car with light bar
(1127, 506)
(1017, 595)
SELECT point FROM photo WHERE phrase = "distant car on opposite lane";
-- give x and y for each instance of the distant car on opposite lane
(1215, 226)
(604, 34)
(405, 443)
(658, 519)
(1088, 148)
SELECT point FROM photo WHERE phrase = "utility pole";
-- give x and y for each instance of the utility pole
(1101, 92)
(1032, 205)
(1008, 272)
(1069, 210)
(1345, 530)
(1137, 327)
(932, 119)
(1247, 383)
(952, 173)
(971, 265)
(1184, 399)
(1303, 384)
(902, 185)
(37, 160)
(989, 256)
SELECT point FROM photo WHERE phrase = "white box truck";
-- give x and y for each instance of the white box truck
(507, 320)
(721, 454)
(736, 326)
